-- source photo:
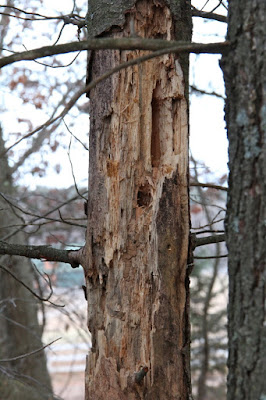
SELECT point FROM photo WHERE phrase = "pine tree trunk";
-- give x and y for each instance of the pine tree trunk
(138, 214)
(245, 72)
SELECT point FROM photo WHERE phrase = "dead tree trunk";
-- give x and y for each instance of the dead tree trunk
(138, 211)
(245, 72)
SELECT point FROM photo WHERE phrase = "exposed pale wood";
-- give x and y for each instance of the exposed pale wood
(138, 230)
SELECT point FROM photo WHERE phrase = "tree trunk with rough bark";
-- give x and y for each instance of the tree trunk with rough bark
(19, 327)
(245, 72)
(138, 210)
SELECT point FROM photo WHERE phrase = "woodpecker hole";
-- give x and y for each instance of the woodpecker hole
(144, 196)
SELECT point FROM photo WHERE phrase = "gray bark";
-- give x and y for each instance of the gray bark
(19, 327)
(245, 73)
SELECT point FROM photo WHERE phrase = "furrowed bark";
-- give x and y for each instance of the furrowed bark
(138, 213)
(245, 71)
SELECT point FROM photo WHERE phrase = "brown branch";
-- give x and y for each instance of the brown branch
(92, 84)
(210, 257)
(121, 44)
(30, 353)
(204, 92)
(72, 257)
(209, 185)
(209, 15)
(209, 231)
(196, 242)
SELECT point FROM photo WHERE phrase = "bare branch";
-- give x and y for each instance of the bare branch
(72, 257)
(209, 15)
(74, 99)
(209, 257)
(32, 221)
(71, 18)
(75, 137)
(72, 170)
(15, 206)
(30, 290)
(38, 141)
(16, 323)
(197, 90)
(208, 185)
(212, 223)
(196, 241)
(31, 353)
(209, 231)
(121, 44)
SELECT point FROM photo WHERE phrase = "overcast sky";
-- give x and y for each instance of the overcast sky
(208, 140)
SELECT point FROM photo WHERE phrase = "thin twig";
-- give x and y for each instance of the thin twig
(204, 92)
(75, 137)
(72, 171)
(209, 185)
(68, 18)
(30, 290)
(36, 144)
(209, 15)
(175, 49)
(42, 216)
(31, 353)
(50, 219)
(210, 231)
(209, 257)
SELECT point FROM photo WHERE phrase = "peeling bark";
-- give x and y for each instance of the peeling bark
(138, 221)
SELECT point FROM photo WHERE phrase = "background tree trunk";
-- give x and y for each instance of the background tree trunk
(19, 328)
(245, 72)
(20, 332)
(138, 212)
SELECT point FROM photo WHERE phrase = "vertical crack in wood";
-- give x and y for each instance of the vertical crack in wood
(155, 133)
(139, 162)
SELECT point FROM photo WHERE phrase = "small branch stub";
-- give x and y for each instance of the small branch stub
(140, 375)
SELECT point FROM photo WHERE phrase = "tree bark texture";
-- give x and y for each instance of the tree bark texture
(20, 331)
(245, 72)
(138, 218)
